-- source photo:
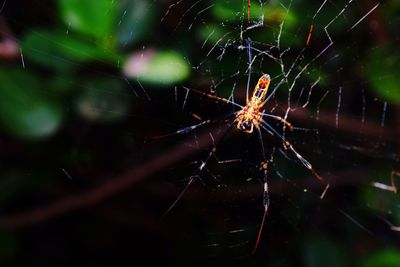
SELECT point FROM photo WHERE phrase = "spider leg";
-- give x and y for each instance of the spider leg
(221, 99)
(183, 130)
(288, 145)
(192, 178)
(196, 173)
(278, 118)
(188, 129)
(392, 187)
(250, 59)
(266, 200)
(393, 176)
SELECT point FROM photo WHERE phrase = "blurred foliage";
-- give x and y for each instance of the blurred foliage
(380, 66)
(103, 100)
(383, 258)
(93, 31)
(92, 18)
(9, 246)
(25, 108)
(272, 15)
(137, 21)
(381, 200)
(321, 252)
(157, 67)
(61, 52)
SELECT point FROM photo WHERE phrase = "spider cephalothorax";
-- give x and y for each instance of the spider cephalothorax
(248, 118)
(251, 116)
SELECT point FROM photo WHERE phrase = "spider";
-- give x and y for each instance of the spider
(252, 117)
(249, 118)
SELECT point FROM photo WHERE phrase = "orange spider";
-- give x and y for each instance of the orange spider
(250, 116)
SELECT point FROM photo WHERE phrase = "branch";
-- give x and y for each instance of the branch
(109, 188)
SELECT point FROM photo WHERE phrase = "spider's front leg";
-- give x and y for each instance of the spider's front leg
(280, 119)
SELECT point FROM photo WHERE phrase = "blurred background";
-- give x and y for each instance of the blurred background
(93, 92)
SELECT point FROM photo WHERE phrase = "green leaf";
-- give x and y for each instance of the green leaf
(137, 17)
(104, 100)
(24, 110)
(157, 67)
(314, 73)
(378, 199)
(62, 52)
(96, 18)
(8, 244)
(275, 15)
(382, 73)
(320, 251)
(211, 33)
(383, 258)
(271, 13)
(234, 11)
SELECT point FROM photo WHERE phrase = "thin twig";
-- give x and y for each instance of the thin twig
(108, 189)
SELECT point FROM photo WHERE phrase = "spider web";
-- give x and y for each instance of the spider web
(339, 126)
(310, 85)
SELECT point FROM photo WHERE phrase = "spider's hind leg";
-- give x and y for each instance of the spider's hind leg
(266, 200)
(197, 173)
(288, 146)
